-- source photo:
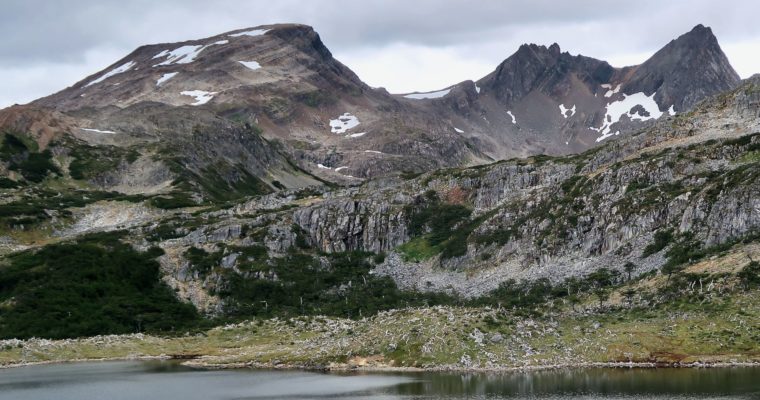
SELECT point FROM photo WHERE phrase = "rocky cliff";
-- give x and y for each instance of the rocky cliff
(690, 181)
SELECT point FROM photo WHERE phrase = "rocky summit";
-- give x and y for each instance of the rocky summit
(252, 175)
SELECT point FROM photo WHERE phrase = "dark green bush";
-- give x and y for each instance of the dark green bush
(662, 238)
(175, 200)
(36, 166)
(6, 183)
(749, 276)
(445, 227)
(24, 158)
(96, 285)
(202, 261)
(307, 286)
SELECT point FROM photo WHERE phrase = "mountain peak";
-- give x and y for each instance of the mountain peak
(686, 70)
(532, 48)
(699, 36)
(701, 30)
(222, 67)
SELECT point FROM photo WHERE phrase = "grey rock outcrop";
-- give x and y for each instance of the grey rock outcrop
(346, 224)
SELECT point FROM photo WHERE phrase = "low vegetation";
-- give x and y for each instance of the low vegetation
(439, 228)
(90, 161)
(338, 284)
(23, 156)
(721, 328)
(43, 204)
(95, 285)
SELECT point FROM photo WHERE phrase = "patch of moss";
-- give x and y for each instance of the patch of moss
(417, 249)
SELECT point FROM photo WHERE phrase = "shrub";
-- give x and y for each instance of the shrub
(6, 183)
(379, 258)
(201, 260)
(96, 285)
(337, 284)
(22, 156)
(36, 166)
(749, 276)
(175, 200)
(662, 239)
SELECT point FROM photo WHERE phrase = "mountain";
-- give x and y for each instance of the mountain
(311, 118)
(683, 72)
(221, 180)
(279, 79)
(543, 101)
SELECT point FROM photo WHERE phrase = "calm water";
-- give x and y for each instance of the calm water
(169, 381)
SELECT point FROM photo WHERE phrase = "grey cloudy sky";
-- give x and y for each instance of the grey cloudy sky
(403, 45)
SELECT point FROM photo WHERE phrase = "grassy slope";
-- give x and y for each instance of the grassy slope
(722, 328)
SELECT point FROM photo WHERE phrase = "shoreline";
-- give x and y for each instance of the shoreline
(347, 368)
(440, 339)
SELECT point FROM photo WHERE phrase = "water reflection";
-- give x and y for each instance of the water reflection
(593, 383)
(169, 381)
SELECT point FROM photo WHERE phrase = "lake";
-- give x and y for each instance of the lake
(171, 381)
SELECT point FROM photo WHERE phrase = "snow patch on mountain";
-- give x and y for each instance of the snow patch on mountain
(356, 135)
(373, 151)
(97, 130)
(458, 130)
(201, 96)
(630, 106)
(672, 110)
(514, 120)
(165, 77)
(251, 64)
(564, 111)
(253, 33)
(343, 123)
(610, 90)
(181, 55)
(184, 54)
(118, 70)
(428, 95)
(477, 89)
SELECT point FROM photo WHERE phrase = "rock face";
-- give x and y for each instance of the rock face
(346, 225)
(541, 68)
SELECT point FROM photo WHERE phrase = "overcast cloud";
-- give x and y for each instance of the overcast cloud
(403, 45)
